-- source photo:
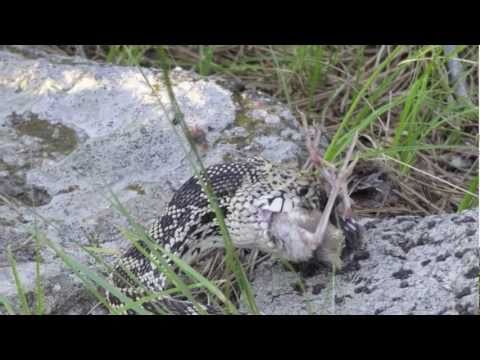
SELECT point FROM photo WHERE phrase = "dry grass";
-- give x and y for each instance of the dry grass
(422, 125)
(418, 141)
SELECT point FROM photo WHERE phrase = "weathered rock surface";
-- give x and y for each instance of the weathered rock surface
(409, 265)
(72, 130)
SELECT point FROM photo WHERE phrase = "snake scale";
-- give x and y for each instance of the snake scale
(253, 194)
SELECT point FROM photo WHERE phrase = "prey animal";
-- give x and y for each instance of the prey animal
(266, 206)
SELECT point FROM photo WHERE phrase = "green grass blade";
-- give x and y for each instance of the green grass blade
(468, 200)
(232, 260)
(89, 276)
(139, 233)
(333, 151)
(6, 304)
(156, 257)
(205, 64)
(39, 291)
(18, 284)
(283, 80)
(214, 290)
(344, 141)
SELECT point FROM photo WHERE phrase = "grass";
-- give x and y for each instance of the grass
(232, 259)
(18, 284)
(25, 307)
(399, 98)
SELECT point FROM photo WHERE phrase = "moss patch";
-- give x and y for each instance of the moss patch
(137, 188)
(56, 138)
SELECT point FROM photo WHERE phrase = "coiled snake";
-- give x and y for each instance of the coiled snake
(254, 194)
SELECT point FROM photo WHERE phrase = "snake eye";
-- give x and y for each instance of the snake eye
(303, 191)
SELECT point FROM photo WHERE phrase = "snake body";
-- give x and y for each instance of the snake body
(253, 194)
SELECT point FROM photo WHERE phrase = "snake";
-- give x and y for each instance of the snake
(265, 205)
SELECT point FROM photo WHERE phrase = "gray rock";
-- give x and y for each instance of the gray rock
(72, 130)
(408, 265)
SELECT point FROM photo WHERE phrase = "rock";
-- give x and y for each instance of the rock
(422, 270)
(72, 130)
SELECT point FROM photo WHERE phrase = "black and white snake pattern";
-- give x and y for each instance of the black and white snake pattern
(250, 193)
